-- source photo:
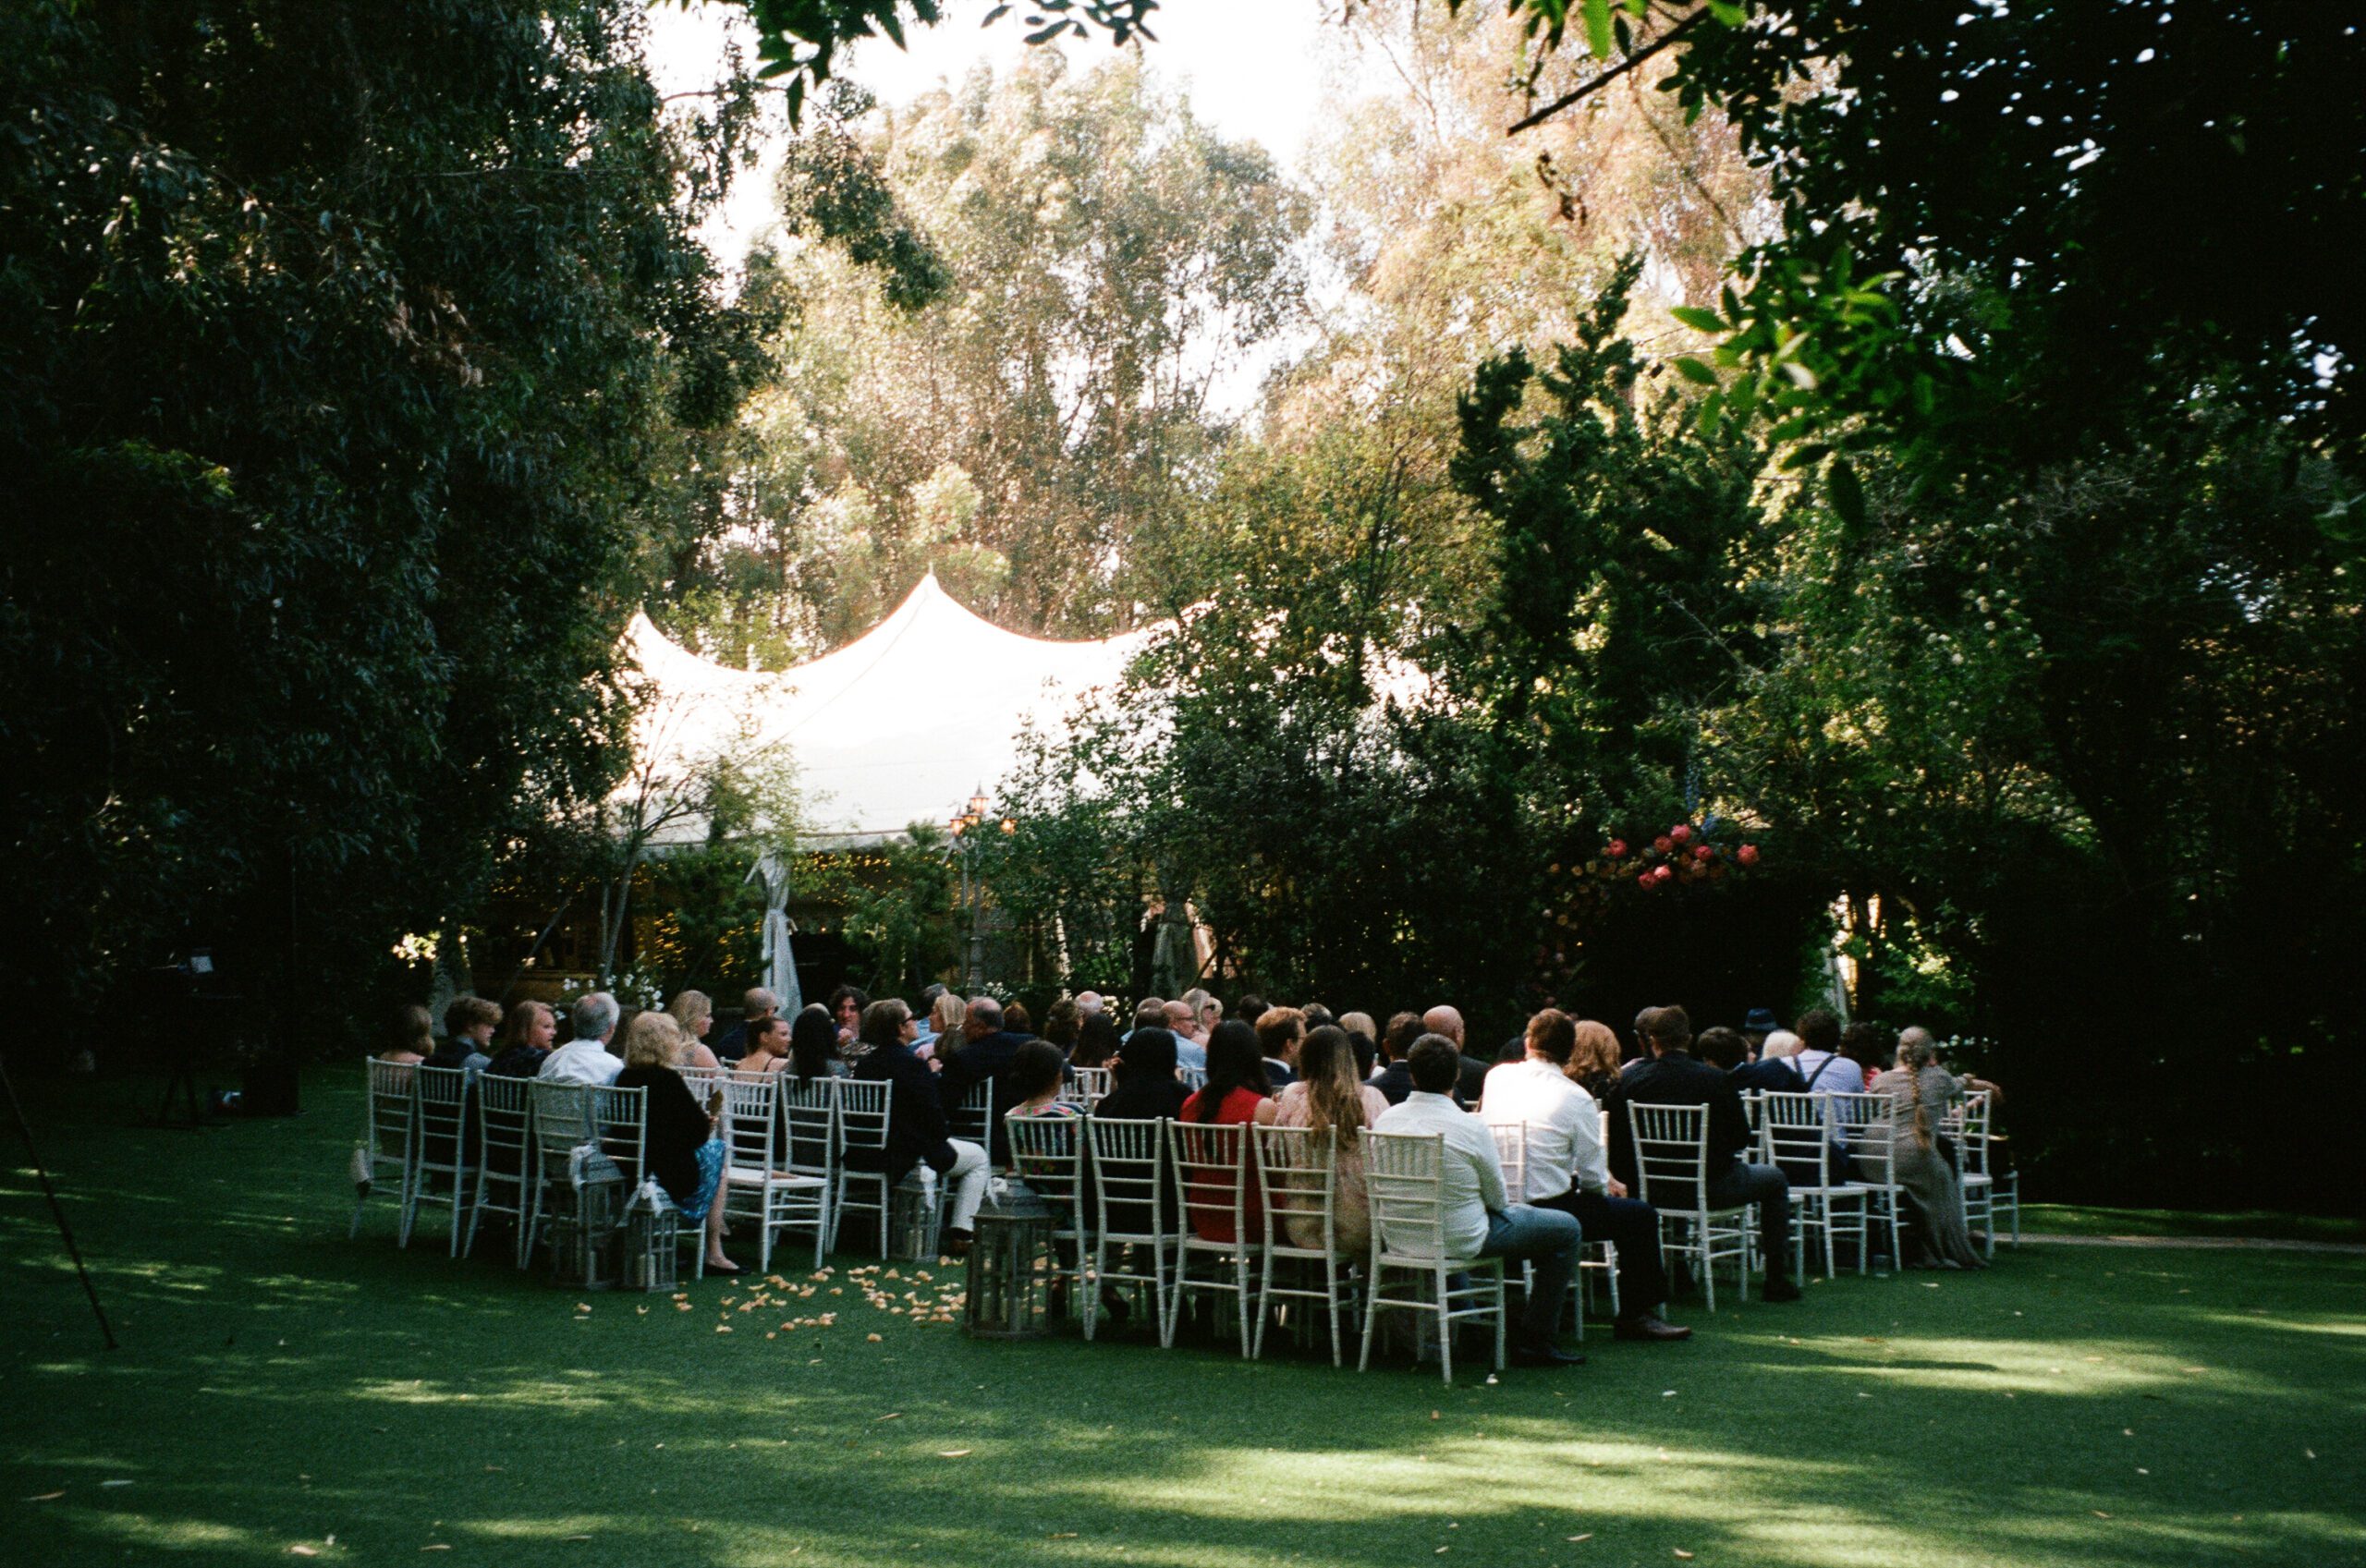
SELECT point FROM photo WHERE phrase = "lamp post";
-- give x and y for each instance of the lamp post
(963, 827)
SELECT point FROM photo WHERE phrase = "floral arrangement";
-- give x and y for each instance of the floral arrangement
(1708, 851)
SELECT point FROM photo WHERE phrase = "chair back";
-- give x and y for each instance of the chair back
(1405, 1178)
(502, 1127)
(1299, 1170)
(1862, 1122)
(751, 1121)
(973, 1119)
(1129, 1187)
(862, 1105)
(620, 1123)
(1210, 1158)
(562, 1121)
(442, 1110)
(1795, 1133)
(1047, 1153)
(1511, 1153)
(1086, 1088)
(390, 1106)
(809, 1111)
(703, 1080)
(1192, 1078)
(1753, 1110)
(1671, 1155)
(1966, 1121)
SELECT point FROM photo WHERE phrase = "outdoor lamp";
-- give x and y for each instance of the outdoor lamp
(978, 806)
(1010, 824)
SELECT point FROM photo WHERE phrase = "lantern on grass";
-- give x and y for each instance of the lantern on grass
(1007, 1299)
(584, 1241)
(652, 1234)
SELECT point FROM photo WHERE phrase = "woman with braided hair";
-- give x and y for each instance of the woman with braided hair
(1921, 1161)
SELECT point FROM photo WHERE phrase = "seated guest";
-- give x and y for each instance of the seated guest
(1482, 1221)
(1448, 1022)
(1672, 1076)
(1037, 1071)
(468, 1024)
(945, 1017)
(985, 1055)
(1394, 1079)
(1183, 1022)
(1511, 1050)
(1756, 1027)
(1818, 1060)
(1089, 1001)
(1972, 1083)
(410, 1035)
(755, 1002)
(683, 1151)
(1279, 1032)
(768, 1047)
(1251, 1008)
(526, 1037)
(916, 1125)
(586, 1058)
(1237, 1092)
(1919, 1092)
(1594, 1062)
(1063, 1025)
(1016, 1019)
(814, 1046)
(1870, 1048)
(1141, 1081)
(1328, 1094)
(846, 1006)
(1150, 1013)
(1567, 1168)
(1363, 1037)
(1780, 1045)
(1206, 1012)
(693, 1013)
(1097, 1041)
(1727, 1050)
(1192, 1050)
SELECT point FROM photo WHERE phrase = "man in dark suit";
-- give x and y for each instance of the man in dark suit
(1672, 1076)
(1395, 1080)
(1279, 1034)
(916, 1125)
(986, 1053)
(1725, 1050)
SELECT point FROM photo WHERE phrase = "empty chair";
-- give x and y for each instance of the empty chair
(1966, 1125)
(1223, 1220)
(439, 1144)
(389, 1124)
(1405, 1175)
(561, 1114)
(503, 1158)
(757, 1183)
(1672, 1159)
(1796, 1136)
(1297, 1171)
(1860, 1122)
(1134, 1213)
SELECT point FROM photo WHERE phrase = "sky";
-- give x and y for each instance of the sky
(1253, 69)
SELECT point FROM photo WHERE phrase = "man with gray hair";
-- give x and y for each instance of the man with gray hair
(755, 1003)
(986, 1053)
(586, 1058)
(1088, 1003)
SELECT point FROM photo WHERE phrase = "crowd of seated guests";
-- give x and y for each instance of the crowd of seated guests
(1187, 1059)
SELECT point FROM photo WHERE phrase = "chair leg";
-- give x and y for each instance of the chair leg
(1331, 1303)
(1264, 1294)
(1446, 1327)
(1240, 1288)
(1371, 1316)
(460, 1186)
(1500, 1316)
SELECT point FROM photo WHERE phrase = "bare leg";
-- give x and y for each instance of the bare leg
(714, 1221)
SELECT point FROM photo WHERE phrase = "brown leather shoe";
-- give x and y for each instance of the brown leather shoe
(1651, 1326)
(957, 1242)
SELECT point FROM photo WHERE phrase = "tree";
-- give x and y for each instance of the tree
(347, 424)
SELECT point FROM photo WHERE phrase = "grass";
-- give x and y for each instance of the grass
(281, 1389)
(2055, 1219)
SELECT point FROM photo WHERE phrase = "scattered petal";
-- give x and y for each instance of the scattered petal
(1587, 1537)
(953, 1453)
(46, 1497)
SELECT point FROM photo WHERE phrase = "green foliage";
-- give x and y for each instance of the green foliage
(799, 39)
(345, 418)
(905, 918)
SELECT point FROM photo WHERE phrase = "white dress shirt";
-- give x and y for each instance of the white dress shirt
(1565, 1148)
(1474, 1179)
(581, 1061)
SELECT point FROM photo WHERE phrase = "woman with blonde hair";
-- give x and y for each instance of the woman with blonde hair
(945, 1016)
(683, 1152)
(1919, 1092)
(1329, 1094)
(693, 1013)
(1593, 1062)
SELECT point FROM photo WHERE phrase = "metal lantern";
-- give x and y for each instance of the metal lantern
(585, 1235)
(1007, 1296)
(652, 1231)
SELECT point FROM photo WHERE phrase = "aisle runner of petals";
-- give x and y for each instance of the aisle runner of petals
(920, 1301)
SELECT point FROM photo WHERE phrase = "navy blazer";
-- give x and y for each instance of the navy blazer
(987, 1058)
(1680, 1078)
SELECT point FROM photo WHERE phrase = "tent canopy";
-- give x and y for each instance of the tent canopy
(899, 726)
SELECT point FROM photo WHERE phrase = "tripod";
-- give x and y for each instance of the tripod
(65, 1230)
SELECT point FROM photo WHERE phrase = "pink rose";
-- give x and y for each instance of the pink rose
(1662, 873)
(1647, 880)
(1702, 852)
(1663, 843)
(1747, 854)
(1680, 832)
(1616, 849)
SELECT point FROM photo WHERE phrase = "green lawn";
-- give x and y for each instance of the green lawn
(281, 1389)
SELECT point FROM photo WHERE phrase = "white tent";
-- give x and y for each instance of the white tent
(898, 726)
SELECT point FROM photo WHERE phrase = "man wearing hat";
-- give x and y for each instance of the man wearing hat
(1761, 1022)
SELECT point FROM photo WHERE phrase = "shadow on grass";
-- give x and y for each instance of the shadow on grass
(281, 1385)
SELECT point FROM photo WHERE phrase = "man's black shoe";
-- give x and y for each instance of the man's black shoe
(1651, 1326)
(1780, 1290)
(1545, 1355)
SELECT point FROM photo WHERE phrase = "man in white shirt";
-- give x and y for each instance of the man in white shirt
(1567, 1168)
(1481, 1219)
(586, 1059)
